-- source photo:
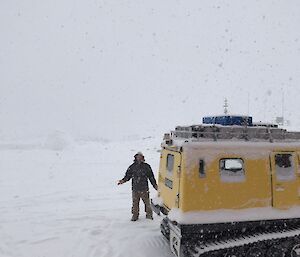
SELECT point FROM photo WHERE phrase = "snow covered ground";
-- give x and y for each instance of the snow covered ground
(66, 203)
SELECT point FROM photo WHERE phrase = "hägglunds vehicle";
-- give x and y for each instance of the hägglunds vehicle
(229, 187)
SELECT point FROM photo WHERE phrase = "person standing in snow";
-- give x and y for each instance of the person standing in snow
(140, 172)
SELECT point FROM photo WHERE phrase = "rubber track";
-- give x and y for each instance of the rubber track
(203, 249)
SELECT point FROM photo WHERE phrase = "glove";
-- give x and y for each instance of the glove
(120, 182)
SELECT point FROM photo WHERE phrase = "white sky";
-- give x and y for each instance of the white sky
(107, 68)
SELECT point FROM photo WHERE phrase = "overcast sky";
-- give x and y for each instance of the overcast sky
(115, 68)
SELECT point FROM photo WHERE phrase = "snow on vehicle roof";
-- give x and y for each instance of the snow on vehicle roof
(228, 115)
(210, 150)
(254, 144)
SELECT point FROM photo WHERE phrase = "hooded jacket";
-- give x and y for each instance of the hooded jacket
(140, 173)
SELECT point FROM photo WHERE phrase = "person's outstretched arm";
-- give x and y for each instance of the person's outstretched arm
(127, 177)
(151, 177)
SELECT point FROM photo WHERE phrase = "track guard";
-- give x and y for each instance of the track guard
(295, 251)
(175, 241)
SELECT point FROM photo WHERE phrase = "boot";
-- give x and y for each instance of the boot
(134, 218)
(149, 217)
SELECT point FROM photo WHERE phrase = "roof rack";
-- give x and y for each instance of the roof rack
(217, 132)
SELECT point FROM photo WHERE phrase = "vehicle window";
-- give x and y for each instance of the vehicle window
(284, 167)
(232, 170)
(168, 183)
(170, 163)
(201, 169)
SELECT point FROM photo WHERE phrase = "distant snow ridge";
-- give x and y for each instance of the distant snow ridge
(58, 141)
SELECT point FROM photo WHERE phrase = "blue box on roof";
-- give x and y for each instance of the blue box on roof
(228, 120)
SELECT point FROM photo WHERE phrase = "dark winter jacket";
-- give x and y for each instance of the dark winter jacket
(140, 173)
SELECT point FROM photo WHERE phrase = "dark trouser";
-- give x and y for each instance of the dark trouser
(136, 196)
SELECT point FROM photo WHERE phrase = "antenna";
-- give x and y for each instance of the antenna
(248, 101)
(225, 106)
(280, 120)
(282, 106)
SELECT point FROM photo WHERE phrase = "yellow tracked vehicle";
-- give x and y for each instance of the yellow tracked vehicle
(229, 187)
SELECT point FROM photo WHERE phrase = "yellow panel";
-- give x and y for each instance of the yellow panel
(211, 193)
(285, 193)
(166, 178)
(191, 192)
